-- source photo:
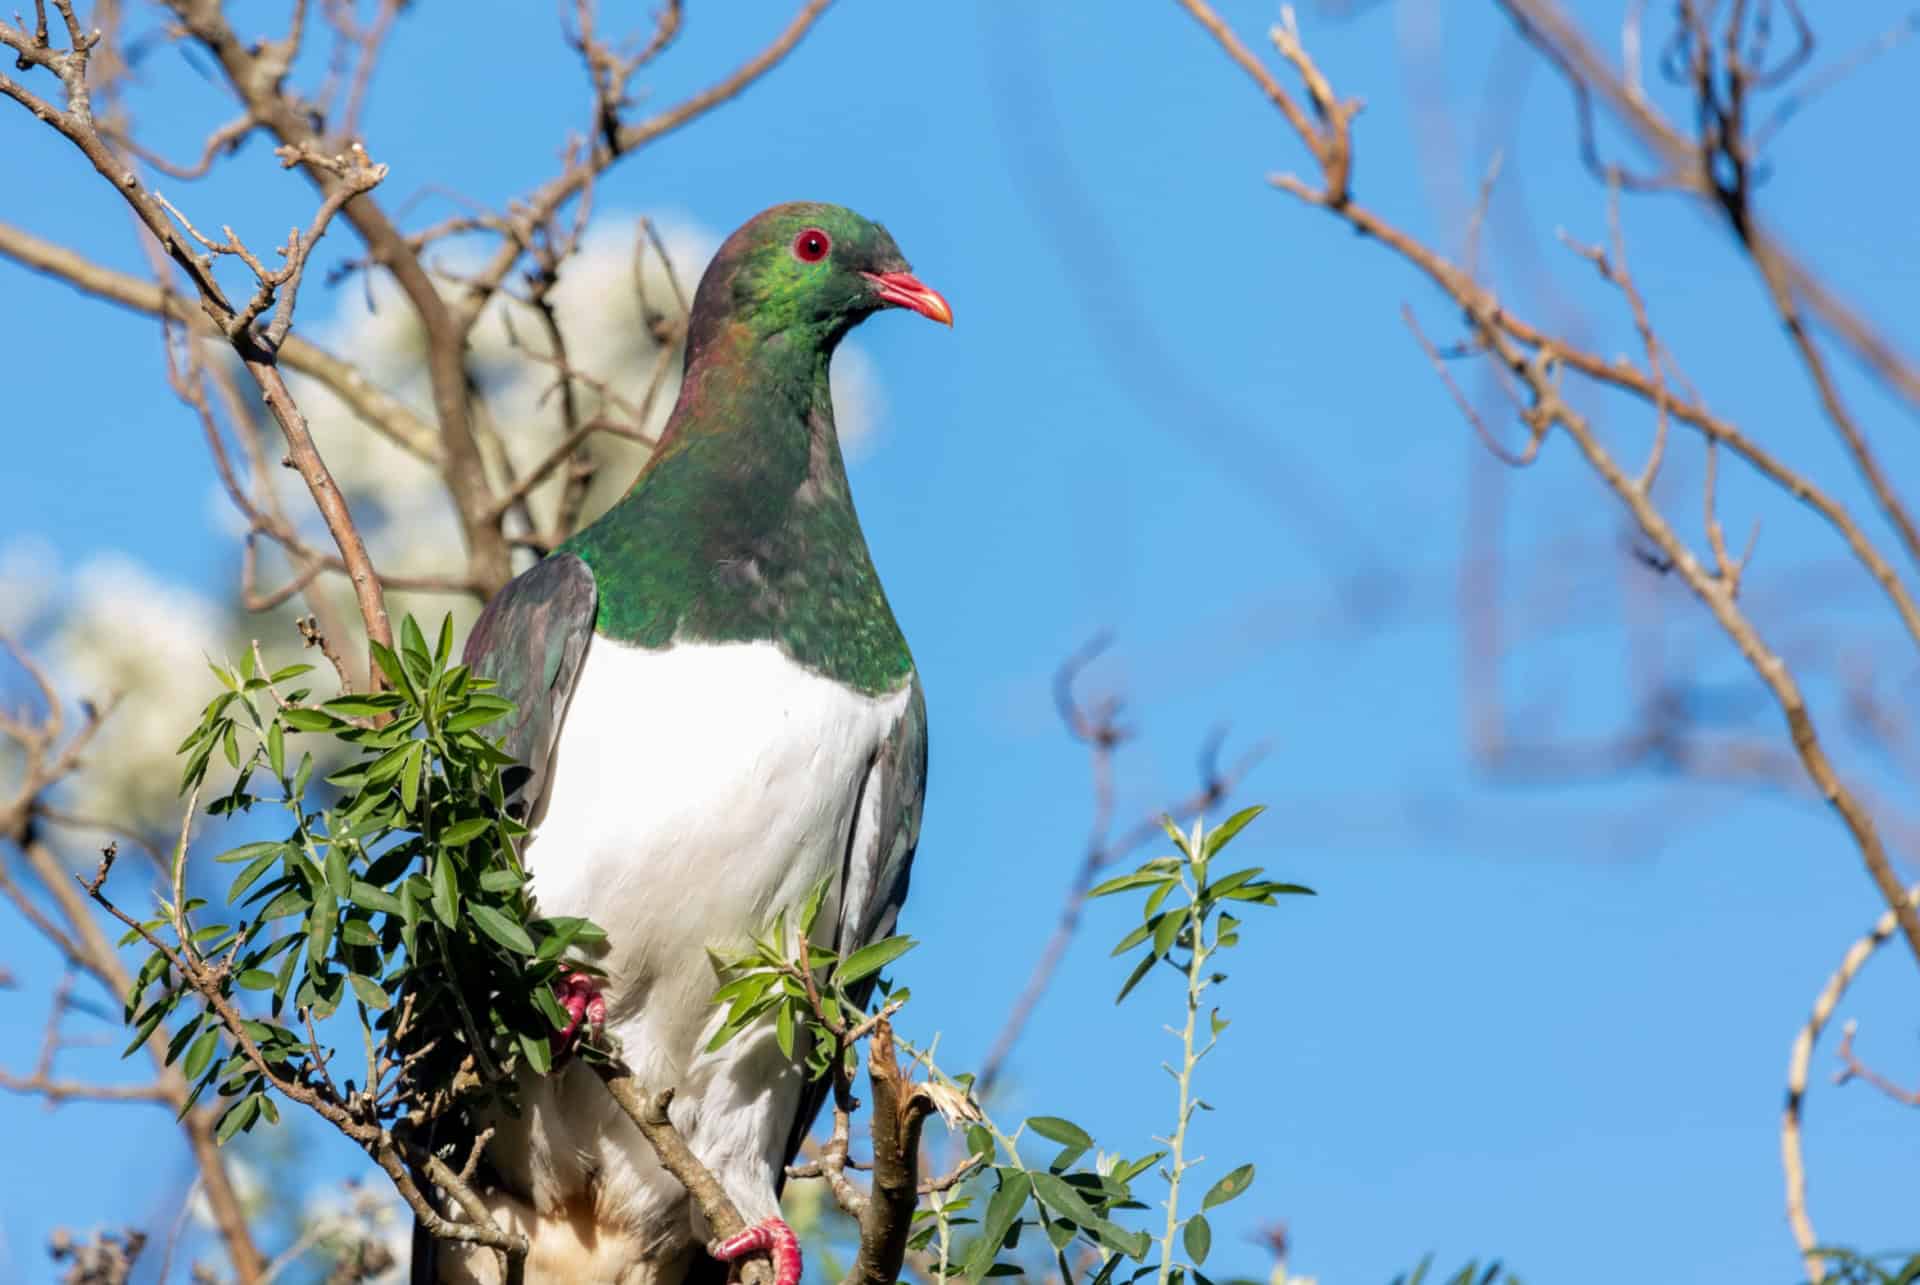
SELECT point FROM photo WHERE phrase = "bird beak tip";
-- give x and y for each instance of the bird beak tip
(904, 290)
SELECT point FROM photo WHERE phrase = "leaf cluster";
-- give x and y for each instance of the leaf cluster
(1067, 1201)
(807, 988)
(391, 889)
(1173, 925)
(1184, 918)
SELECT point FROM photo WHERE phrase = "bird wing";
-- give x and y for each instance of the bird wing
(873, 878)
(530, 641)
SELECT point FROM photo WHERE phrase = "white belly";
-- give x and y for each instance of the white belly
(695, 793)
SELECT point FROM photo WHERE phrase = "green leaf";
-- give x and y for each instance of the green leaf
(1133, 979)
(1137, 936)
(369, 991)
(537, 1051)
(245, 879)
(392, 863)
(1057, 1194)
(284, 981)
(584, 931)
(557, 1017)
(465, 831)
(196, 766)
(1138, 879)
(255, 979)
(370, 706)
(357, 932)
(1002, 1210)
(293, 901)
(322, 992)
(240, 1115)
(869, 960)
(1065, 1132)
(1264, 893)
(282, 674)
(277, 749)
(368, 897)
(302, 718)
(388, 765)
(1167, 931)
(490, 704)
(415, 657)
(1198, 1236)
(1126, 1171)
(149, 1022)
(410, 776)
(498, 926)
(201, 1053)
(446, 897)
(810, 911)
(339, 881)
(250, 851)
(1134, 1244)
(390, 666)
(501, 880)
(1234, 1184)
(181, 1036)
(320, 930)
(443, 649)
(783, 1030)
(1222, 835)
(1227, 883)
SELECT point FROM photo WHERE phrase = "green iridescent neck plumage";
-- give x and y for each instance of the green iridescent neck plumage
(741, 527)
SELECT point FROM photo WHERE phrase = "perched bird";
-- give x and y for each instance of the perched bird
(716, 710)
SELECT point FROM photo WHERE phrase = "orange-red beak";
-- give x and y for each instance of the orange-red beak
(904, 290)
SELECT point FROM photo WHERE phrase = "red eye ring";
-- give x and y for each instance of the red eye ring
(812, 245)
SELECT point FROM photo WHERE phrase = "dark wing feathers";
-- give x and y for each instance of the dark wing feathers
(530, 641)
(873, 879)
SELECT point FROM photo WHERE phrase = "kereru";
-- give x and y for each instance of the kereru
(716, 711)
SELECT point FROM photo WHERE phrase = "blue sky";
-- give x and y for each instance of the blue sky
(1545, 1022)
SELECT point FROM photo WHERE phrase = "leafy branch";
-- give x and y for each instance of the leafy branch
(391, 901)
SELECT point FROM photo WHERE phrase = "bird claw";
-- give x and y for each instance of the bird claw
(775, 1238)
(579, 994)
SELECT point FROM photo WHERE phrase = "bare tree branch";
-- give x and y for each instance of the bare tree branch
(1792, 1159)
(1532, 358)
(370, 404)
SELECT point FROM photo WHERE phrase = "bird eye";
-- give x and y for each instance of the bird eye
(812, 245)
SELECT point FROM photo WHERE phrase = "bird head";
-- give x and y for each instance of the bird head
(810, 268)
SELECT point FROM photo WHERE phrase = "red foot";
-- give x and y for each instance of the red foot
(775, 1238)
(580, 995)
